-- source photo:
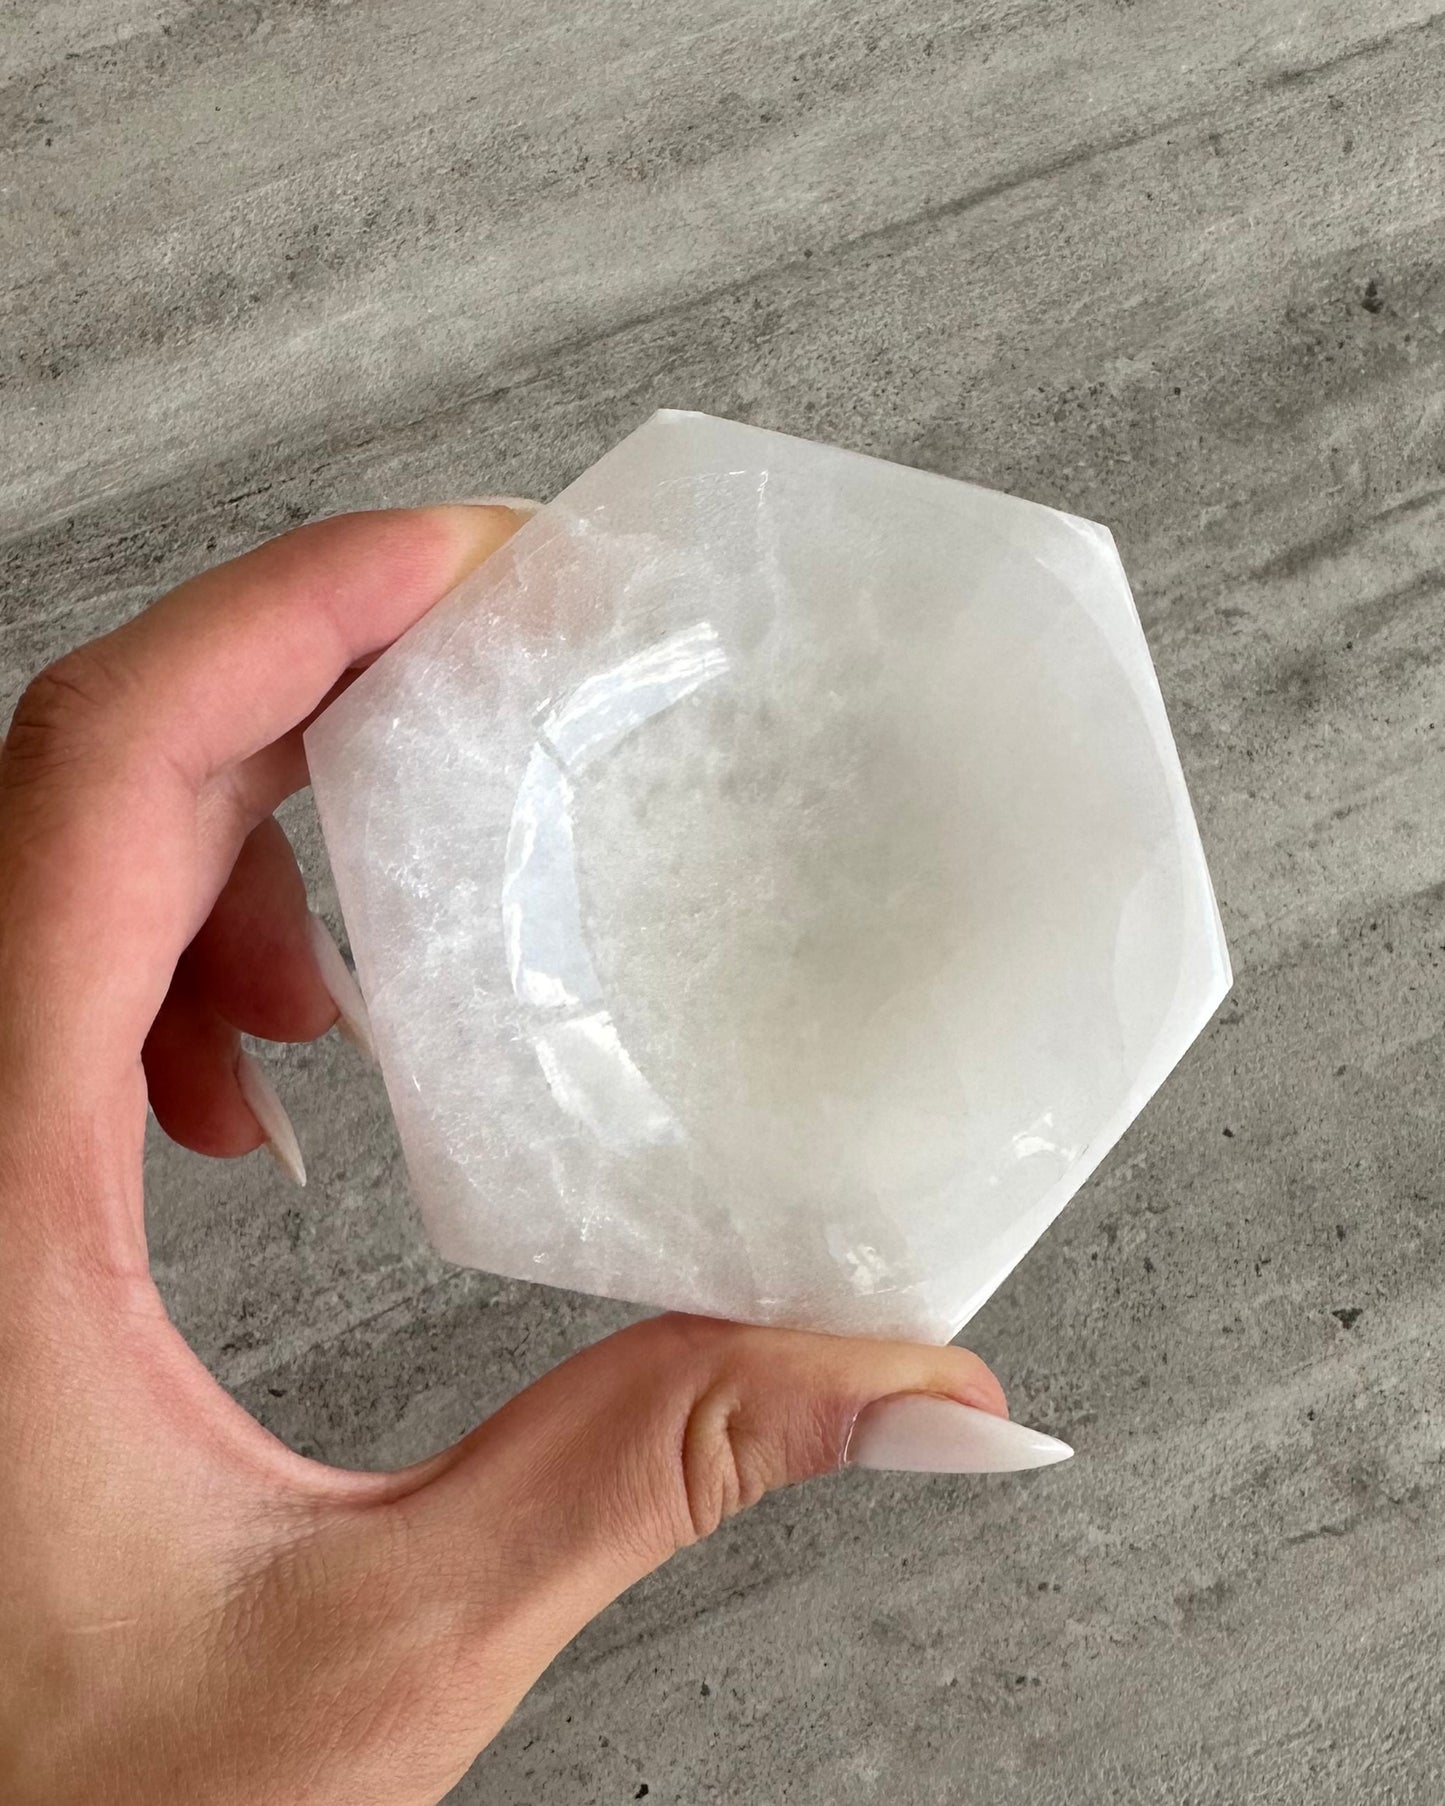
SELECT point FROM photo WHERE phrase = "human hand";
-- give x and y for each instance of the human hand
(188, 1610)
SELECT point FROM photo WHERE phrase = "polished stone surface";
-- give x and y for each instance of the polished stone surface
(773, 884)
(1172, 267)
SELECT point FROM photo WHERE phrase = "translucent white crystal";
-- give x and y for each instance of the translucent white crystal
(773, 884)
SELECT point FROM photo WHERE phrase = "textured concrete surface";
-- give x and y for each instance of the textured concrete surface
(1176, 266)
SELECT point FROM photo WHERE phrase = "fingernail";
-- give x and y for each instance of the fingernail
(355, 1022)
(519, 504)
(261, 1100)
(917, 1433)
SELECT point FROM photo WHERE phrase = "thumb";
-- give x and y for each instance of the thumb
(648, 1441)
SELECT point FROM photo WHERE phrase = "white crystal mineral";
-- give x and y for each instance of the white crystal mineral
(773, 884)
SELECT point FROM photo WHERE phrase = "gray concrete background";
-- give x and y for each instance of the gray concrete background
(1178, 266)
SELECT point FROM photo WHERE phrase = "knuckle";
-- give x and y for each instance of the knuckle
(725, 1466)
(752, 1412)
(60, 712)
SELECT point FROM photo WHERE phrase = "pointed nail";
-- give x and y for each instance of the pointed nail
(261, 1100)
(920, 1434)
(519, 504)
(355, 1022)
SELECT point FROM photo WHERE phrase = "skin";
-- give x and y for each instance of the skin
(188, 1610)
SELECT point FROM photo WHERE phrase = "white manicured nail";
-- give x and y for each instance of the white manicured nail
(355, 1022)
(920, 1434)
(261, 1100)
(519, 504)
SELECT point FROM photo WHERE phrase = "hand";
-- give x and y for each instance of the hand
(189, 1611)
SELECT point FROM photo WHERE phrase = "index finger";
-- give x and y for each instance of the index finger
(121, 758)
